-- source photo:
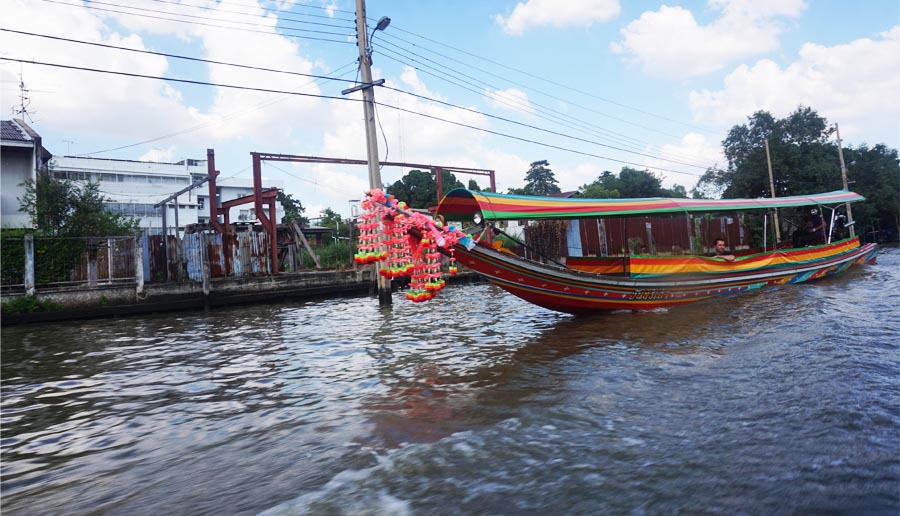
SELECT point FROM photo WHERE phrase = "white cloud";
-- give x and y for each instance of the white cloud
(410, 77)
(670, 43)
(693, 149)
(571, 13)
(157, 155)
(854, 84)
(511, 100)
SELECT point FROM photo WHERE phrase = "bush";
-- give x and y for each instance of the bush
(28, 305)
(12, 256)
(331, 256)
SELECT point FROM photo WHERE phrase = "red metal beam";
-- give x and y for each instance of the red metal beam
(267, 223)
(268, 196)
(346, 161)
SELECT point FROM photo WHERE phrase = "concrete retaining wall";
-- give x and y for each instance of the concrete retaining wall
(113, 300)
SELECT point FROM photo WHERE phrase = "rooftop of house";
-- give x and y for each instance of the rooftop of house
(12, 131)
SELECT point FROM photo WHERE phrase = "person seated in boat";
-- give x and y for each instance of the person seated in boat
(720, 252)
(813, 232)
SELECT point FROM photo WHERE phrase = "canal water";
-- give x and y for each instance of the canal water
(785, 401)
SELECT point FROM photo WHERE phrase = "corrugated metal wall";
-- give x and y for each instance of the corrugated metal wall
(230, 255)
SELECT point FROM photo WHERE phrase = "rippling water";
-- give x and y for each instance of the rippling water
(785, 401)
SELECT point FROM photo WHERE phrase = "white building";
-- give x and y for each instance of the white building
(21, 158)
(134, 187)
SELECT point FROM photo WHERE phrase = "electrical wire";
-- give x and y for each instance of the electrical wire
(498, 89)
(555, 133)
(330, 97)
(513, 103)
(538, 77)
(156, 11)
(550, 115)
(223, 118)
(386, 148)
(526, 140)
(540, 113)
(298, 4)
(172, 79)
(311, 38)
(264, 9)
(174, 56)
(317, 184)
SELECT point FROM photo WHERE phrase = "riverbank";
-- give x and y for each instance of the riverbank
(81, 302)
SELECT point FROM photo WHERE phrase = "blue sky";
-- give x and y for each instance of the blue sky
(651, 84)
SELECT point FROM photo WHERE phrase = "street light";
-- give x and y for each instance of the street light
(382, 24)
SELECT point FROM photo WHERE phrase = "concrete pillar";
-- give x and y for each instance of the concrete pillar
(109, 259)
(165, 240)
(138, 265)
(29, 265)
(92, 262)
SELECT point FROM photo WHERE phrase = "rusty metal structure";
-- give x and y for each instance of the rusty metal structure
(262, 197)
(435, 169)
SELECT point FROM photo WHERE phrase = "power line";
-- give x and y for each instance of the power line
(222, 118)
(448, 104)
(314, 31)
(548, 113)
(577, 124)
(200, 23)
(267, 90)
(551, 118)
(172, 79)
(298, 4)
(511, 102)
(264, 9)
(497, 88)
(316, 183)
(174, 56)
(538, 77)
(526, 140)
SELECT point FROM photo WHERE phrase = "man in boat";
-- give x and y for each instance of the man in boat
(813, 232)
(720, 252)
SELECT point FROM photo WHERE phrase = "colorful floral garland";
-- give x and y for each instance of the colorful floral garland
(407, 243)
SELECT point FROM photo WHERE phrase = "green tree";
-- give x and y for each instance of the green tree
(875, 173)
(293, 209)
(805, 161)
(64, 208)
(630, 183)
(473, 186)
(540, 180)
(332, 219)
(419, 189)
(799, 149)
(60, 208)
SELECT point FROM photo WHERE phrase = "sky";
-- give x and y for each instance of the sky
(588, 85)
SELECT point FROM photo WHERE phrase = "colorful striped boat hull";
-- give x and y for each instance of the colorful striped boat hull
(659, 282)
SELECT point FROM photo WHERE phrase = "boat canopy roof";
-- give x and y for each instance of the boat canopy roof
(461, 203)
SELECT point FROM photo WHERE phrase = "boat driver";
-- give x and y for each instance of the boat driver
(813, 232)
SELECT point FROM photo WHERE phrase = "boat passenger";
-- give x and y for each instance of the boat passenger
(720, 252)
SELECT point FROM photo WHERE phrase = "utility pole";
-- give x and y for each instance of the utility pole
(772, 189)
(844, 179)
(365, 67)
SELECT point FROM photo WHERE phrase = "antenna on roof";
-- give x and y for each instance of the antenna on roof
(24, 99)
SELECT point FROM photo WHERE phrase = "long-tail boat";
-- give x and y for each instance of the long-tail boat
(642, 277)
